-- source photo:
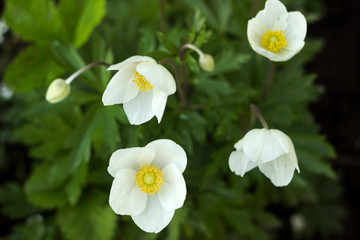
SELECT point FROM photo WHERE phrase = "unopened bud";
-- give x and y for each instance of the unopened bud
(57, 91)
(206, 62)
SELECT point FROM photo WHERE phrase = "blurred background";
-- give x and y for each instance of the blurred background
(322, 202)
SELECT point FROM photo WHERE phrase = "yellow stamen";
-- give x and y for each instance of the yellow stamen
(273, 41)
(149, 179)
(142, 83)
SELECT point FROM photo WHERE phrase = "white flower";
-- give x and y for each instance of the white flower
(142, 86)
(58, 90)
(148, 183)
(276, 33)
(270, 150)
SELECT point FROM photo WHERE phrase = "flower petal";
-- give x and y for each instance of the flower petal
(240, 163)
(280, 171)
(297, 27)
(120, 192)
(239, 144)
(172, 192)
(261, 146)
(159, 103)
(132, 158)
(287, 145)
(121, 89)
(154, 218)
(167, 152)
(133, 59)
(138, 201)
(158, 76)
(273, 10)
(139, 109)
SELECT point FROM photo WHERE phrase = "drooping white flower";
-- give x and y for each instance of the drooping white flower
(276, 33)
(142, 86)
(269, 149)
(148, 183)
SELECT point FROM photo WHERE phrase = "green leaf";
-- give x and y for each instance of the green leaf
(44, 186)
(33, 68)
(167, 43)
(81, 17)
(90, 219)
(74, 187)
(13, 201)
(35, 21)
(80, 140)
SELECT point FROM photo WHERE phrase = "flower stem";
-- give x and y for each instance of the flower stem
(177, 77)
(269, 79)
(257, 112)
(83, 69)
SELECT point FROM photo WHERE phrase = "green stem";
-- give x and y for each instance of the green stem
(257, 112)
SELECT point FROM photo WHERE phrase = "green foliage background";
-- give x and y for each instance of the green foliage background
(60, 188)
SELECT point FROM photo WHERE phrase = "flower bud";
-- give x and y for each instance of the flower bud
(206, 62)
(57, 91)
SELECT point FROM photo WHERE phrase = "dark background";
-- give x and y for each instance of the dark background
(338, 109)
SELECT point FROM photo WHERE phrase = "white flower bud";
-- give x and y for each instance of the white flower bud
(57, 91)
(206, 62)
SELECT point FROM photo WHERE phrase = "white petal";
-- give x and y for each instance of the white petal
(261, 146)
(159, 103)
(287, 145)
(296, 29)
(154, 218)
(239, 144)
(138, 201)
(121, 89)
(132, 158)
(158, 76)
(120, 192)
(274, 9)
(240, 163)
(280, 171)
(172, 192)
(133, 59)
(139, 109)
(167, 152)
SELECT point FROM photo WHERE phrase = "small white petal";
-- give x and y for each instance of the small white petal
(287, 145)
(158, 76)
(159, 103)
(138, 201)
(240, 163)
(121, 89)
(274, 9)
(133, 59)
(139, 109)
(296, 30)
(239, 145)
(154, 218)
(172, 192)
(120, 193)
(167, 152)
(280, 171)
(261, 146)
(132, 158)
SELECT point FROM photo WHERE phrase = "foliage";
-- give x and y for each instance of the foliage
(63, 193)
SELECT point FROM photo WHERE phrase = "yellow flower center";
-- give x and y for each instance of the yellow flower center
(273, 41)
(149, 179)
(141, 82)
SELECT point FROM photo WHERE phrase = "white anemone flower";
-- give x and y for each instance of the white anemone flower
(148, 183)
(276, 33)
(142, 86)
(269, 149)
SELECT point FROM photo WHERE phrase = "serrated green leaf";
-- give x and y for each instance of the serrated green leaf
(91, 219)
(33, 68)
(74, 187)
(167, 43)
